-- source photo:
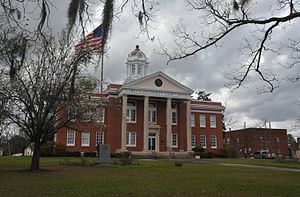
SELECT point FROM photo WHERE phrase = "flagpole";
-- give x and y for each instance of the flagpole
(101, 73)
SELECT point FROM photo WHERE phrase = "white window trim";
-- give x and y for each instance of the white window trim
(89, 114)
(193, 120)
(172, 111)
(89, 139)
(74, 139)
(213, 124)
(174, 146)
(193, 137)
(101, 136)
(69, 111)
(98, 111)
(129, 139)
(151, 110)
(215, 137)
(202, 121)
(205, 141)
(131, 107)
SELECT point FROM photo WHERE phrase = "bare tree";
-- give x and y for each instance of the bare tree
(43, 86)
(218, 20)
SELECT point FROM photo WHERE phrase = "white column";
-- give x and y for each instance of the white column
(188, 126)
(169, 126)
(124, 122)
(146, 122)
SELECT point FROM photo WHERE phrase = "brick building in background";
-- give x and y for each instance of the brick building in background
(147, 113)
(250, 140)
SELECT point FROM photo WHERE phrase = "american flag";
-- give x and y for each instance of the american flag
(92, 41)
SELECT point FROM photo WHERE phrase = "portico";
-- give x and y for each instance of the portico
(165, 99)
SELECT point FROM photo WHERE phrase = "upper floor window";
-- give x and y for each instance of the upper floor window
(193, 142)
(152, 112)
(277, 139)
(192, 120)
(133, 70)
(72, 113)
(202, 120)
(213, 141)
(131, 111)
(86, 116)
(100, 114)
(213, 123)
(228, 140)
(99, 138)
(174, 113)
(70, 138)
(85, 138)
(131, 139)
(237, 140)
(174, 140)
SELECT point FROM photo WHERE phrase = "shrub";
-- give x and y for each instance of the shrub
(76, 154)
(199, 150)
(59, 150)
(229, 152)
(47, 150)
(93, 154)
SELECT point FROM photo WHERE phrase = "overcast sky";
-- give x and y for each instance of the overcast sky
(206, 70)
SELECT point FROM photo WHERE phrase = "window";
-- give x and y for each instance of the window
(131, 111)
(193, 141)
(237, 140)
(202, 120)
(152, 112)
(72, 113)
(55, 137)
(174, 113)
(70, 138)
(86, 116)
(228, 140)
(85, 138)
(100, 114)
(261, 139)
(192, 120)
(133, 69)
(203, 141)
(212, 119)
(174, 140)
(99, 138)
(139, 69)
(213, 141)
(277, 139)
(131, 139)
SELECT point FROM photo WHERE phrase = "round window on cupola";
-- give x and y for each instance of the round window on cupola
(139, 55)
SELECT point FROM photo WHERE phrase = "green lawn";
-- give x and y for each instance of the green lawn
(149, 178)
(263, 162)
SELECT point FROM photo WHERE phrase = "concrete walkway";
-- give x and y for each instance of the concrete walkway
(207, 161)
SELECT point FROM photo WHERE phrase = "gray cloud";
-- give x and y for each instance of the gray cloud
(206, 70)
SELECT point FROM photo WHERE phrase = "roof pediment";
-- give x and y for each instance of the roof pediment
(157, 82)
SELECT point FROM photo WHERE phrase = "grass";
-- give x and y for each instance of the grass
(150, 178)
(263, 162)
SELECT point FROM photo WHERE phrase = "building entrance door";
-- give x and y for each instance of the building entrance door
(152, 141)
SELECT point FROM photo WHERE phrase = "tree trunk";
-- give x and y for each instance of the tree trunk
(35, 161)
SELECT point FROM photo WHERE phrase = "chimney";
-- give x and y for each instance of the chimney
(244, 125)
(270, 125)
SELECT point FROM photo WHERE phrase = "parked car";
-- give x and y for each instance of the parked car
(264, 154)
(17, 155)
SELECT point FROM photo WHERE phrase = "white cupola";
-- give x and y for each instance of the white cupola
(136, 64)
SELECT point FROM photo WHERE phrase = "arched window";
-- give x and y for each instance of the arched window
(133, 69)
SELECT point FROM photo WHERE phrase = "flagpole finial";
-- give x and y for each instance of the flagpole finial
(137, 46)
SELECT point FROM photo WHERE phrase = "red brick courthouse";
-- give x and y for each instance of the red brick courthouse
(148, 113)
